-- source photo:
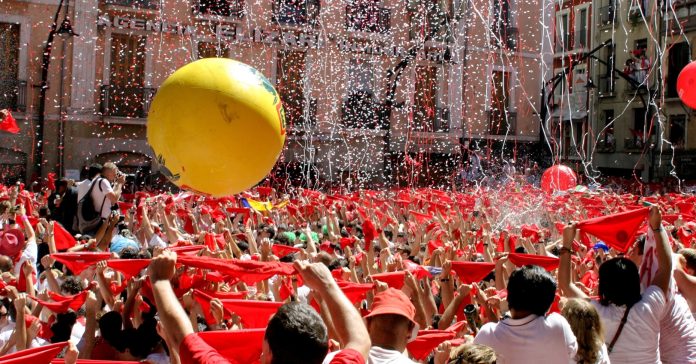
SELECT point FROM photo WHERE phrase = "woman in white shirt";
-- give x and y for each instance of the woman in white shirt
(587, 327)
(631, 319)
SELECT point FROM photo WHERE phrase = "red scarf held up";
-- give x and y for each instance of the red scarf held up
(64, 303)
(77, 262)
(369, 232)
(470, 272)
(392, 279)
(254, 314)
(9, 124)
(237, 346)
(283, 250)
(355, 292)
(248, 271)
(548, 263)
(618, 230)
(42, 354)
(128, 267)
(425, 343)
(62, 237)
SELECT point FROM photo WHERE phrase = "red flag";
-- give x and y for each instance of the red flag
(283, 250)
(249, 271)
(42, 354)
(129, 267)
(77, 262)
(355, 292)
(62, 237)
(9, 124)
(237, 346)
(63, 304)
(215, 242)
(470, 272)
(618, 230)
(254, 314)
(548, 263)
(392, 279)
(425, 343)
(369, 232)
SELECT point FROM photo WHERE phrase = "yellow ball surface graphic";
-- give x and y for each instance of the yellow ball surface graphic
(216, 126)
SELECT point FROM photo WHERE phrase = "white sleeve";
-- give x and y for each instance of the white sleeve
(655, 302)
(106, 186)
(29, 254)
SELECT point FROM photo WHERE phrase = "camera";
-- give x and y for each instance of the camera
(472, 317)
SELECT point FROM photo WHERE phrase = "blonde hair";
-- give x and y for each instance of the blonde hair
(587, 327)
(472, 354)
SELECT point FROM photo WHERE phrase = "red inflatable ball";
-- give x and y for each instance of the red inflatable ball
(558, 178)
(686, 85)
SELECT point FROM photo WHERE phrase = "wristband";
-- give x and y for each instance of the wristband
(658, 229)
(565, 250)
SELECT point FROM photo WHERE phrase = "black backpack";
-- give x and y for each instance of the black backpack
(88, 218)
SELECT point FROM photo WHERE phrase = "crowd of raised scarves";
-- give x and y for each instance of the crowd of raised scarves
(235, 257)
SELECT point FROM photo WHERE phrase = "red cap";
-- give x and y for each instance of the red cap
(11, 242)
(393, 302)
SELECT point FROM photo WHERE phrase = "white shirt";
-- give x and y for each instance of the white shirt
(99, 195)
(29, 254)
(603, 357)
(82, 188)
(383, 356)
(678, 333)
(533, 339)
(638, 342)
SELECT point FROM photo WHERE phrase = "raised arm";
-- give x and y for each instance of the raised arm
(346, 320)
(565, 270)
(664, 253)
(173, 317)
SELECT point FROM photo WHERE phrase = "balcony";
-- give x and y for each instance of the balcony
(501, 122)
(686, 17)
(135, 4)
(367, 18)
(222, 8)
(296, 12)
(126, 102)
(633, 144)
(606, 85)
(636, 14)
(13, 95)
(606, 15)
(606, 146)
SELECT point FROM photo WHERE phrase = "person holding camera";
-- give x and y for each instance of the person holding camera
(109, 189)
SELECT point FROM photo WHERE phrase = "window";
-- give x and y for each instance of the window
(213, 50)
(640, 128)
(225, 8)
(608, 129)
(500, 17)
(677, 130)
(430, 22)
(580, 33)
(607, 79)
(367, 16)
(679, 57)
(360, 109)
(425, 97)
(296, 12)
(290, 72)
(561, 88)
(562, 32)
(9, 65)
(501, 121)
(126, 94)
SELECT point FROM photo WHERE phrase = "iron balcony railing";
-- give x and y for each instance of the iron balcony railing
(366, 18)
(13, 94)
(224, 8)
(137, 4)
(296, 12)
(127, 102)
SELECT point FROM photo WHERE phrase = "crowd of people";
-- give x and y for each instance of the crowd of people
(505, 275)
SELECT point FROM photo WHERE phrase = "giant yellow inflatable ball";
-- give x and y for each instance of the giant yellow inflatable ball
(216, 126)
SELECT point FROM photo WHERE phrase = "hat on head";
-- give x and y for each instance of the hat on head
(601, 245)
(11, 242)
(393, 302)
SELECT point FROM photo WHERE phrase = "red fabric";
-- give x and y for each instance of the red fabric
(51, 182)
(531, 232)
(548, 263)
(392, 279)
(248, 271)
(45, 331)
(62, 303)
(128, 267)
(254, 314)
(618, 230)
(240, 346)
(214, 242)
(194, 350)
(9, 124)
(77, 262)
(417, 270)
(22, 281)
(470, 272)
(42, 354)
(420, 218)
(283, 250)
(346, 242)
(348, 356)
(369, 232)
(226, 295)
(204, 301)
(355, 292)
(90, 361)
(424, 344)
(186, 249)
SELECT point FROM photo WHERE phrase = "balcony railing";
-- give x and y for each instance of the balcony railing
(606, 15)
(636, 13)
(686, 17)
(13, 95)
(501, 123)
(606, 85)
(128, 102)
(296, 12)
(365, 18)
(606, 146)
(224, 8)
(137, 4)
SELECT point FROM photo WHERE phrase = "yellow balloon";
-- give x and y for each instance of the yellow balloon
(217, 126)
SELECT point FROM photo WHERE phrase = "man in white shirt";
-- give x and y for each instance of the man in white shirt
(390, 325)
(104, 195)
(529, 336)
(83, 186)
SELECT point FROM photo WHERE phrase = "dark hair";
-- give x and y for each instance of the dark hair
(129, 253)
(531, 289)
(110, 326)
(71, 285)
(62, 328)
(640, 244)
(297, 335)
(619, 282)
(282, 239)
(243, 246)
(94, 170)
(690, 257)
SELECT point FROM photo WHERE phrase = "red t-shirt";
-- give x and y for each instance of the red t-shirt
(194, 350)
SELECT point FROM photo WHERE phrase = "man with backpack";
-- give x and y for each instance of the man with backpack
(95, 205)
